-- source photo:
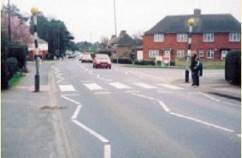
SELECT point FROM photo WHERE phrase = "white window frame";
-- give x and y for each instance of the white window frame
(181, 37)
(223, 54)
(208, 37)
(159, 37)
(210, 54)
(234, 37)
(153, 53)
(180, 53)
(201, 53)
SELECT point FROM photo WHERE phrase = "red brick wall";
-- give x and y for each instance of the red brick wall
(221, 42)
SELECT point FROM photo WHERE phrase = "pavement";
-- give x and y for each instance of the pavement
(119, 113)
(30, 126)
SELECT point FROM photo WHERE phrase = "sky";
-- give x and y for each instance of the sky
(91, 20)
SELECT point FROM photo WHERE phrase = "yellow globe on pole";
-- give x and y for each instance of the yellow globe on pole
(191, 21)
(34, 10)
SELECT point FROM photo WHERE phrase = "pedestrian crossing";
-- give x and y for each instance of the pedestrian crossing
(100, 87)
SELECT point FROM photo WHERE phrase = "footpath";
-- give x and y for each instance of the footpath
(30, 124)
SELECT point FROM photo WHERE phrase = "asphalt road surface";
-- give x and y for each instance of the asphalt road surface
(128, 113)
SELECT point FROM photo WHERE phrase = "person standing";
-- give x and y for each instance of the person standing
(196, 68)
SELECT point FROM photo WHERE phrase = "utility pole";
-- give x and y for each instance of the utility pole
(35, 12)
(9, 22)
(115, 17)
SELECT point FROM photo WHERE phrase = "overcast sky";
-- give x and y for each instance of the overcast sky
(92, 19)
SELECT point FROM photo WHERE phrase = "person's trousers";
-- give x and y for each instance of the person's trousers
(195, 78)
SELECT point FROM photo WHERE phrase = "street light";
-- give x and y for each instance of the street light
(35, 12)
(191, 24)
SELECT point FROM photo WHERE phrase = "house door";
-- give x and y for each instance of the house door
(167, 56)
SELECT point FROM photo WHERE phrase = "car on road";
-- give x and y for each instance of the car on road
(102, 61)
(86, 58)
(71, 56)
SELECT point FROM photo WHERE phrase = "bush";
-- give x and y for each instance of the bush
(144, 62)
(4, 75)
(122, 61)
(233, 67)
(20, 53)
(12, 65)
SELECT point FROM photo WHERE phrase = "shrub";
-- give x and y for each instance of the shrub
(233, 67)
(12, 65)
(4, 75)
(144, 62)
(122, 61)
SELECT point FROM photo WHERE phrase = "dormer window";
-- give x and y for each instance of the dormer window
(234, 37)
(158, 37)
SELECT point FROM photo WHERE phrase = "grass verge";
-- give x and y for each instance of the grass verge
(15, 79)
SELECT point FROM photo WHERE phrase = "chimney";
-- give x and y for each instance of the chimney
(197, 12)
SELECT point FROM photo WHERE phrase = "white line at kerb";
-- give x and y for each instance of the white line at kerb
(202, 122)
(170, 86)
(144, 85)
(92, 132)
(209, 96)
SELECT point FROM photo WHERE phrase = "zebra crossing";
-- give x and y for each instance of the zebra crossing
(101, 87)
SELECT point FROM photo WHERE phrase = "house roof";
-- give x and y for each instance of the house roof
(204, 23)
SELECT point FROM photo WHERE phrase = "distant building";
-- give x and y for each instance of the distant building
(213, 36)
(122, 45)
(43, 49)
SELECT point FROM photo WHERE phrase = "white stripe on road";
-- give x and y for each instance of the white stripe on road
(239, 135)
(202, 122)
(70, 100)
(170, 86)
(107, 151)
(164, 106)
(144, 85)
(66, 88)
(90, 131)
(93, 86)
(76, 113)
(209, 96)
(119, 85)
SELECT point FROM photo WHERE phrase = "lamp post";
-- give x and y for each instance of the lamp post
(191, 23)
(35, 12)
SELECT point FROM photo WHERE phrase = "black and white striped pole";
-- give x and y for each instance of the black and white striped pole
(35, 12)
(191, 23)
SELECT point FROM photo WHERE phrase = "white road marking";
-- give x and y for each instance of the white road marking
(170, 86)
(66, 88)
(107, 151)
(76, 113)
(209, 97)
(90, 131)
(202, 122)
(102, 93)
(164, 106)
(107, 146)
(239, 135)
(69, 99)
(144, 85)
(93, 86)
(119, 85)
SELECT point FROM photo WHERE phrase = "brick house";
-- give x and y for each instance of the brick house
(212, 36)
(43, 49)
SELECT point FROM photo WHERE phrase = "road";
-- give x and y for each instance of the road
(132, 113)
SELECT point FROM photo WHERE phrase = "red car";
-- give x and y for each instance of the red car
(102, 61)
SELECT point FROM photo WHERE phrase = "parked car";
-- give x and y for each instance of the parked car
(71, 56)
(102, 61)
(86, 58)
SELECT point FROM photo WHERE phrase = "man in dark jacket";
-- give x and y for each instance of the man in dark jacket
(196, 68)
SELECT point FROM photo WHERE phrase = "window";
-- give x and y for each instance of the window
(223, 54)
(181, 37)
(153, 53)
(208, 37)
(210, 54)
(158, 37)
(201, 53)
(180, 53)
(234, 37)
